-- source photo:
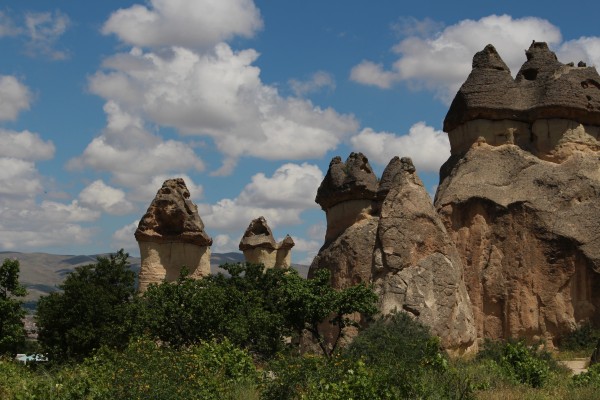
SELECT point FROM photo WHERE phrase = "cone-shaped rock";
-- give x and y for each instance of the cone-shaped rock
(259, 246)
(519, 196)
(171, 235)
(401, 246)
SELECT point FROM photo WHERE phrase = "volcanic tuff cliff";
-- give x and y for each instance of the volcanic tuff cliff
(171, 235)
(387, 232)
(519, 194)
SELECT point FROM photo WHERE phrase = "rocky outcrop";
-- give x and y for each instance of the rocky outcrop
(388, 233)
(171, 235)
(259, 246)
(519, 194)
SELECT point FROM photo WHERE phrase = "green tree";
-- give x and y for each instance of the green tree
(315, 306)
(93, 309)
(254, 308)
(12, 331)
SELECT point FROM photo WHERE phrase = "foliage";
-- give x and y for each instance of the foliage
(12, 331)
(142, 370)
(525, 364)
(240, 307)
(307, 303)
(91, 311)
(404, 357)
(584, 338)
(253, 308)
(315, 377)
(590, 378)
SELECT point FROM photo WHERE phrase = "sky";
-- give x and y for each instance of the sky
(248, 101)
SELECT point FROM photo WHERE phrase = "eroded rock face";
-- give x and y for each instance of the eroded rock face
(519, 194)
(393, 238)
(259, 246)
(171, 235)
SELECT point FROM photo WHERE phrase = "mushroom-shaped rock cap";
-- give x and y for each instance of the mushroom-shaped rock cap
(172, 216)
(258, 234)
(352, 180)
(544, 88)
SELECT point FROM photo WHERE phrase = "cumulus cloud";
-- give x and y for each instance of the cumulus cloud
(369, 73)
(192, 24)
(14, 98)
(99, 195)
(441, 61)
(124, 238)
(132, 154)
(43, 31)
(428, 148)
(292, 185)
(280, 198)
(27, 224)
(582, 49)
(224, 244)
(318, 81)
(25, 145)
(219, 94)
(18, 177)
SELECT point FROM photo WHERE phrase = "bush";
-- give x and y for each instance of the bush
(406, 359)
(590, 378)
(584, 338)
(12, 332)
(316, 377)
(525, 364)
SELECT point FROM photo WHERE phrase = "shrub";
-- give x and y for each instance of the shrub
(584, 337)
(590, 378)
(525, 364)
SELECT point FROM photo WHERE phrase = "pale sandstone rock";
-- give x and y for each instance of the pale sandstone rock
(171, 235)
(519, 194)
(259, 246)
(394, 239)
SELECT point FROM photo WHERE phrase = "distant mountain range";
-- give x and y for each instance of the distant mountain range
(41, 273)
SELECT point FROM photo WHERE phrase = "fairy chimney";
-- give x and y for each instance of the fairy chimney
(259, 246)
(171, 236)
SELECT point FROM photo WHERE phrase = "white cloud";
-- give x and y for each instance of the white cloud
(18, 178)
(428, 148)
(582, 49)
(292, 185)
(219, 94)
(132, 154)
(280, 198)
(124, 238)
(24, 224)
(319, 80)
(317, 231)
(193, 24)
(14, 98)
(25, 145)
(440, 62)
(43, 31)
(369, 73)
(99, 195)
(224, 244)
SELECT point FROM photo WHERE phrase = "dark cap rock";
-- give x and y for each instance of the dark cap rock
(544, 88)
(172, 216)
(352, 180)
(259, 235)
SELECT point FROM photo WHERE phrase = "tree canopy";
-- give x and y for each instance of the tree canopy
(12, 331)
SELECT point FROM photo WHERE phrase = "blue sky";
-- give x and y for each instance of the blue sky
(247, 100)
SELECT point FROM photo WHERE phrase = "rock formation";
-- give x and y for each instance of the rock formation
(259, 246)
(519, 194)
(171, 235)
(388, 233)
